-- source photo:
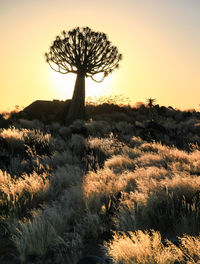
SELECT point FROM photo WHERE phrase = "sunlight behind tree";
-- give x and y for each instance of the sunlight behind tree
(63, 85)
(85, 53)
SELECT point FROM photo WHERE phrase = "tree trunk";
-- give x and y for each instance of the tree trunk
(77, 106)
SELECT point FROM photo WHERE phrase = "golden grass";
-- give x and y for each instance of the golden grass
(158, 185)
(142, 248)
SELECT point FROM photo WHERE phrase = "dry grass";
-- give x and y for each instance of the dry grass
(46, 186)
(142, 248)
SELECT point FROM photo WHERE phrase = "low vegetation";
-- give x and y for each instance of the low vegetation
(123, 185)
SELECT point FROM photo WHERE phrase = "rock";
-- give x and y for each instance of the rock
(44, 109)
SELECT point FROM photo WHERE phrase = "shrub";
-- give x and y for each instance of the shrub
(119, 163)
(98, 128)
(34, 237)
(190, 247)
(142, 247)
(17, 195)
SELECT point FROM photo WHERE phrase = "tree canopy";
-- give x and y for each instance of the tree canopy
(83, 51)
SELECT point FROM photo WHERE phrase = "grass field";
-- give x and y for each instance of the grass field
(123, 185)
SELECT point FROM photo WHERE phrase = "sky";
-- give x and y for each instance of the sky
(159, 40)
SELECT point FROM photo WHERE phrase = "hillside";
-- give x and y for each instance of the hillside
(123, 185)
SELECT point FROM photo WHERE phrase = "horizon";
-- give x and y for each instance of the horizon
(159, 42)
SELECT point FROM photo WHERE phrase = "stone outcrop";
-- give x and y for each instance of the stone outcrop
(44, 109)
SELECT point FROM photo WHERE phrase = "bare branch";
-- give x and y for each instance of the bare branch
(83, 50)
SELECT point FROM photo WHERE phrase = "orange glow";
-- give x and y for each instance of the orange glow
(62, 85)
(159, 41)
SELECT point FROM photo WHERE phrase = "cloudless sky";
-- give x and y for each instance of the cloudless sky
(159, 40)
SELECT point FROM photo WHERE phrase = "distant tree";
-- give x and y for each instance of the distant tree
(152, 110)
(85, 53)
(150, 102)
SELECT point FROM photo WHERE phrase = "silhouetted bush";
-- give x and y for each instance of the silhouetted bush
(3, 122)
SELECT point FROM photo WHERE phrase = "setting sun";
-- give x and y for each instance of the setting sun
(62, 85)
(159, 41)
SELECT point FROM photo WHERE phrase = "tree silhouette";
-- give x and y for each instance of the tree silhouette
(150, 102)
(85, 53)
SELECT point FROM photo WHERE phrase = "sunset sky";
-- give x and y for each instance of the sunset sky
(159, 40)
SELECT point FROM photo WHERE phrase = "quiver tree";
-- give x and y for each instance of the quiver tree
(85, 53)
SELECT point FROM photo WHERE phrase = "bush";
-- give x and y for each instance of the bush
(142, 247)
